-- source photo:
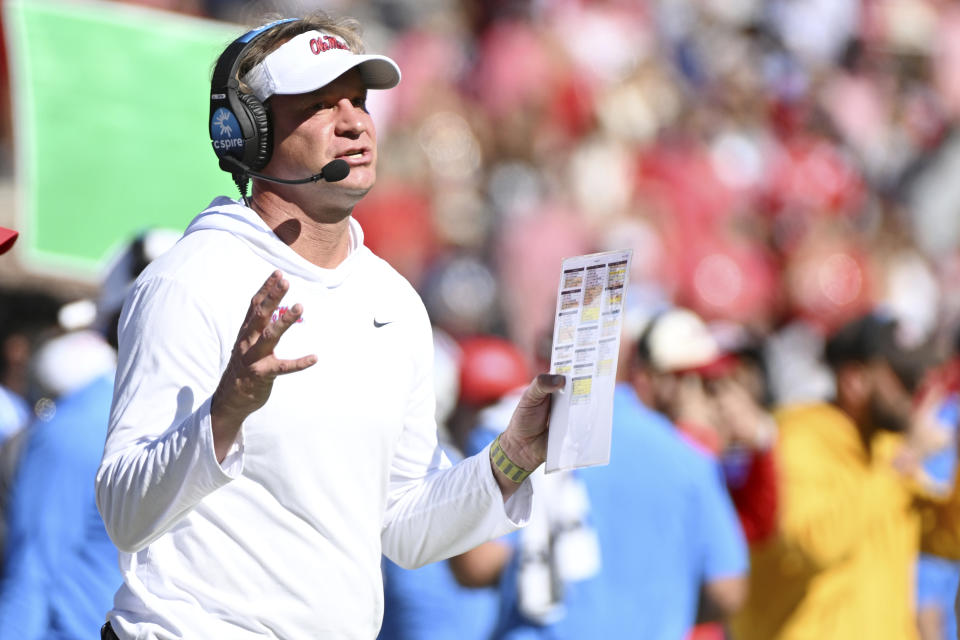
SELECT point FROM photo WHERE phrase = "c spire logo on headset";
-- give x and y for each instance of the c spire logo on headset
(222, 126)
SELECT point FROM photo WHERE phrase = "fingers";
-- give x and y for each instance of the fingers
(264, 302)
(272, 333)
(259, 335)
(726, 387)
(284, 367)
(269, 368)
(541, 387)
(263, 350)
(267, 301)
(933, 398)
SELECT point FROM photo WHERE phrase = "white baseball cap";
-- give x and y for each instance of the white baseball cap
(315, 59)
(679, 340)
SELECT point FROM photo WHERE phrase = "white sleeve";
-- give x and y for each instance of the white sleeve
(435, 510)
(159, 461)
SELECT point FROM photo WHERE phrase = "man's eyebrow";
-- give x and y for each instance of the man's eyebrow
(327, 90)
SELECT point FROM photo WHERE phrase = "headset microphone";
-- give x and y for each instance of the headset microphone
(333, 171)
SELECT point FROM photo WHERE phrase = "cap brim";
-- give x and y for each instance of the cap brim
(722, 366)
(377, 72)
(8, 238)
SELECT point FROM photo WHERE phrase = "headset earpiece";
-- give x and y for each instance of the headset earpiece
(260, 146)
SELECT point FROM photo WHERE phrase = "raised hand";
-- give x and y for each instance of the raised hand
(692, 404)
(740, 417)
(248, 379)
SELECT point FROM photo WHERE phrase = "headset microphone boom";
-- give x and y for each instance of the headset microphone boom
(333, 171)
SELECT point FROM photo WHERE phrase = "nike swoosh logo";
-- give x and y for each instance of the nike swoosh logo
(380, 324)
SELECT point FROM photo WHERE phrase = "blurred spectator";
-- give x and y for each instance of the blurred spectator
(747, 432)
(936, 441)
(939, 578)
(853, 515)
(61, 569)
(26, 318)
(47, 582)
(717, 399)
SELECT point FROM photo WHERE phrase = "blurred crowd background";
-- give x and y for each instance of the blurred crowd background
(768, 161)
(779, 167)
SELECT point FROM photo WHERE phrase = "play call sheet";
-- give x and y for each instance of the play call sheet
(586, 341)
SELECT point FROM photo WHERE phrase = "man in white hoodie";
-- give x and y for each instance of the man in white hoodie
(250, 482)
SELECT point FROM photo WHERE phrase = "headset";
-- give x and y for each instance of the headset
(240, 128)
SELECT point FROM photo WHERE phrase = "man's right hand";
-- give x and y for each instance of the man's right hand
(248, 379)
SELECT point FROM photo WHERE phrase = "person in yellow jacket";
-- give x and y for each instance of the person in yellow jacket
(853, 515)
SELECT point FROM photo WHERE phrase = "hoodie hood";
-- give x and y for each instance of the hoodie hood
(226, 214)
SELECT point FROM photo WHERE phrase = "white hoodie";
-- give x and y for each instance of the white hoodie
(284, 538)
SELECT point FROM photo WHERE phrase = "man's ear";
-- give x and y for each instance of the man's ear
(642, 384)
(639, 379)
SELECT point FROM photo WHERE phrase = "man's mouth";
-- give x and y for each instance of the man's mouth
(355, 156)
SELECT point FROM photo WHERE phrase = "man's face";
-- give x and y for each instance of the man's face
(311, 129)
(889, 402)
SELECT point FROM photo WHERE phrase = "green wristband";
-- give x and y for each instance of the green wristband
(515, 472)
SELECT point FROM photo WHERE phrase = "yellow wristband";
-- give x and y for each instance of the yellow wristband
(515, 472)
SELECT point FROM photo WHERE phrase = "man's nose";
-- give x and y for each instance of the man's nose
(351, 119)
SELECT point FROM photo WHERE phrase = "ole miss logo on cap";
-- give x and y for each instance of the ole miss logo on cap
(325, 43)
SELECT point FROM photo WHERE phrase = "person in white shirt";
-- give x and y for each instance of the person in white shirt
(262, 453)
